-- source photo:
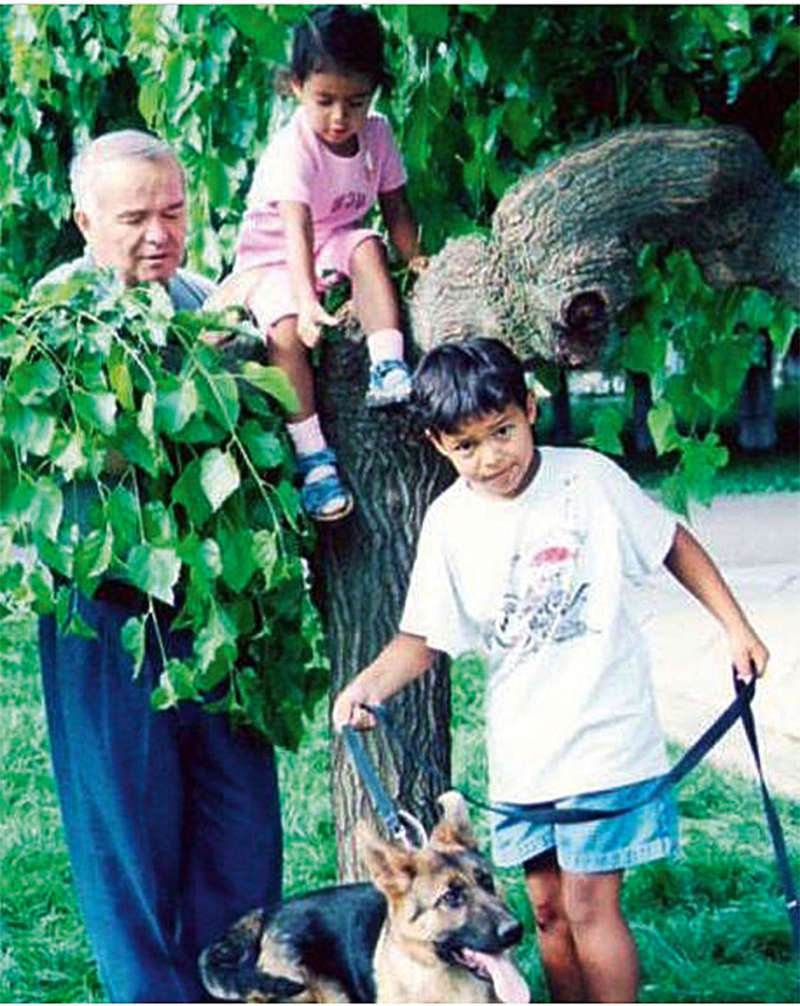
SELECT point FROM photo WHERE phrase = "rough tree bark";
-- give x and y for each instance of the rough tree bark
(560, 263)
(561, 259)
(365, 561)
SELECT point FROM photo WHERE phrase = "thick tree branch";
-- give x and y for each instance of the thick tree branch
(561, 259)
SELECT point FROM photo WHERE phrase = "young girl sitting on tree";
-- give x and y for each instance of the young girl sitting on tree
(313, 185)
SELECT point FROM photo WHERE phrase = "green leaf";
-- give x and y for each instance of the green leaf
(265, 553)
(175, 407)
(219, 476)
(661, 423)
(159, 524)
(176, 684)
(238, 564)
(78, 626)
(93, 557)
(220, 396)
(123, 516)
(188, 492)
(265, 449)
(46, 508)
(215, 648)
(32, 430)
(268, 34)
(119, 377)
(151, 94)
(272, 381)
(98, 409)
(607, 423)
(33, 383)
(66, 452)
(289, 499)
(520, 124)
(133, 637)
(427, 21)
(154, 570)
(58, 556)
(643, 350)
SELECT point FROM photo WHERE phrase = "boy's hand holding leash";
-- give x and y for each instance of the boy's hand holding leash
(349, 708)
(748, 654)
(402, 660)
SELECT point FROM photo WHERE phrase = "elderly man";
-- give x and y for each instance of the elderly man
(172, 820)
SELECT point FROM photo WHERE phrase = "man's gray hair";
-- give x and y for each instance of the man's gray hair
(109, 147)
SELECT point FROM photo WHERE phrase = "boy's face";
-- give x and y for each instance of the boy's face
(494, 453)
(336, 106)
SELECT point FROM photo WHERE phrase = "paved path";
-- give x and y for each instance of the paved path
(755, 540)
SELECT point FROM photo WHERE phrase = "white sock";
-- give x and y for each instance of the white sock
(308, 438)
(385, 344)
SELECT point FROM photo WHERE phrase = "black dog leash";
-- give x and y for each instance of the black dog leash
(740, 708)
(402, 826)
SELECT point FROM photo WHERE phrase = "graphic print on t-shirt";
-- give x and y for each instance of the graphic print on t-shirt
(545, 596)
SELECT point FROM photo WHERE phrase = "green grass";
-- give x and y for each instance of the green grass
(710, 924)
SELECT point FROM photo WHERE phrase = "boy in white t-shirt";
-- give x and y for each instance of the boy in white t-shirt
(523, 559)
(303, 229)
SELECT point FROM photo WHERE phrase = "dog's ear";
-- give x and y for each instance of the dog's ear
(391, 868)
(454, 828)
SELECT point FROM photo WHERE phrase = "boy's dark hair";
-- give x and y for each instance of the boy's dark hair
(459, 381)
(340, 39)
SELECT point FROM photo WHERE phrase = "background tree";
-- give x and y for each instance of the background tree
(484, 94)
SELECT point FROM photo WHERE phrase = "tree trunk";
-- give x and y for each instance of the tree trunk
(562, 412)
(364, 563)
(757, 420)
(642, 402)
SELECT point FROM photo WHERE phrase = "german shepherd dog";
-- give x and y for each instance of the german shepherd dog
(429, 928)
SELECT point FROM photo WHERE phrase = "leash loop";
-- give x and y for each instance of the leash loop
(402, 826)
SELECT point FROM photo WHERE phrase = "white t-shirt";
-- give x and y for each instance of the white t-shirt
(298, 167)
(534, 584)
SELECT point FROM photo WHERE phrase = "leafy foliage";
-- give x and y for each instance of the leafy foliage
(130, 449)
(696, 344)
(483, 93)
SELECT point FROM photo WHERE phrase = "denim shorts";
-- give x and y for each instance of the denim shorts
(612, 843)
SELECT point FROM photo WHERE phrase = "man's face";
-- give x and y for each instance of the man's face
(494, 453)
(136, 221)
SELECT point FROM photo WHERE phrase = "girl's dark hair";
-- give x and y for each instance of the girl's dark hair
(340, 39)
(459, 381)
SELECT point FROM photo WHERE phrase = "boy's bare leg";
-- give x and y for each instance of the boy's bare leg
(605, 947)
(374, 297)
(557, 949)
(289, 353)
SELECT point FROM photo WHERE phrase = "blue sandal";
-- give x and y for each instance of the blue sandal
(324, 499)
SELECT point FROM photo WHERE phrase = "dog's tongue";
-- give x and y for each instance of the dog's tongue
(509, 985)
